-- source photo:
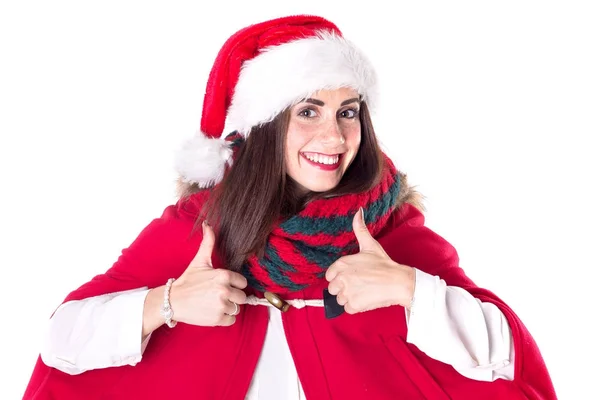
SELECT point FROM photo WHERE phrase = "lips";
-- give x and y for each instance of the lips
(325, 167)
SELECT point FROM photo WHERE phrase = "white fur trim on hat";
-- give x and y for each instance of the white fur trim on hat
(202, 160)
(283, 75)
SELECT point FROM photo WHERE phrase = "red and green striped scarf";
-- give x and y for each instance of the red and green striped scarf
(301, 248)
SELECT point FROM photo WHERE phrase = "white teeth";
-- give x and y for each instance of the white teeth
(323, 159)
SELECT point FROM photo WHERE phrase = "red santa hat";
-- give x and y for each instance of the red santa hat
(259, 72)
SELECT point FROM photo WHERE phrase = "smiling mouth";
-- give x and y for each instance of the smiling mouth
(328, 162)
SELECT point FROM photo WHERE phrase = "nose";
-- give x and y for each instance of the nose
(332, 133)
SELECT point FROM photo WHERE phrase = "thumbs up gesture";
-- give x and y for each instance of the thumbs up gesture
(369, 279)
(205, 296)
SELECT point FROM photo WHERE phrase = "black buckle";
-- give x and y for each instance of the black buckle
(332, 307)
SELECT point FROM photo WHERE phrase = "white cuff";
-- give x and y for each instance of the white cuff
(452, 326)
(130, 311)
(96, 332)
(423, 299)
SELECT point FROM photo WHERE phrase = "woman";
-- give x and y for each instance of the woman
(295, 263)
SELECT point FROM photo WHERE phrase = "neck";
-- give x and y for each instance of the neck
(296, 197)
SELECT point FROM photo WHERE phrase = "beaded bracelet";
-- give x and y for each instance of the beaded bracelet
(166, 311)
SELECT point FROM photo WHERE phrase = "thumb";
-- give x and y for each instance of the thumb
(365, 240)
(204, 255)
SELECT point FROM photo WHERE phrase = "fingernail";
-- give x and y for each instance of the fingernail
(362, 214)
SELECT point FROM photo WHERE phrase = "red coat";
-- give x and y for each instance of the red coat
(360, 356)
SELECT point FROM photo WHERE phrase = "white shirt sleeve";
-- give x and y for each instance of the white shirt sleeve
(97, 332)
(445, 322)
(450, 325)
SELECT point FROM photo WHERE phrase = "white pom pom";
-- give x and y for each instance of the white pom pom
(202, 160)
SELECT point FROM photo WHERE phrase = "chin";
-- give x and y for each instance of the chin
(319, 187)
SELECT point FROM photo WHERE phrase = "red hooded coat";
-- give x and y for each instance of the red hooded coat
(360, 356)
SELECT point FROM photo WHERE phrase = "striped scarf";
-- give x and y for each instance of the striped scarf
(301, 248)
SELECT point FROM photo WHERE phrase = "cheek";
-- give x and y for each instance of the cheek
(353, 137)
(297, 138)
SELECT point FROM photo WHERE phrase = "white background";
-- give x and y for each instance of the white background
(491, 108)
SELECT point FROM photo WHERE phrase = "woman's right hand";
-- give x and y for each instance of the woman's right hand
(204, 296)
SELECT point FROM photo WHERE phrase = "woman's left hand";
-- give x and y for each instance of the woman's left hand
(369, 279)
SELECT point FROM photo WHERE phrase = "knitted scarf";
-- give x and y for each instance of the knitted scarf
(301, 248)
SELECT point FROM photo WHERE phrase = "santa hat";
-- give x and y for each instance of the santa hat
(259, 72)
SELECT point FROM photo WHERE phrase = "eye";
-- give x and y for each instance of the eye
(349, 113)
(307, 113)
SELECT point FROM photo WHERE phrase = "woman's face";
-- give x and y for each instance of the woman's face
(323, 138)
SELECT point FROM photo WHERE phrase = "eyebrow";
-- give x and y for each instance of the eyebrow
(321, 103)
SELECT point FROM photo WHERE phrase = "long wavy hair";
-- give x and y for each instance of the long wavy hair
(256, 192)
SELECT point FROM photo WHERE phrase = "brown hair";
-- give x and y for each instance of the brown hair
(256, 192)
